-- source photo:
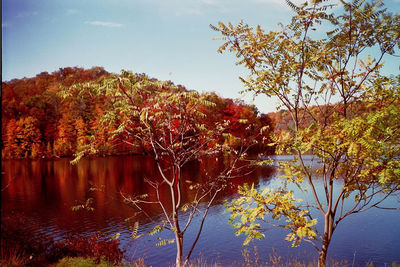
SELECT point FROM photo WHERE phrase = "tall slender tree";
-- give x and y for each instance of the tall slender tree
(324, 68)
(168, 123)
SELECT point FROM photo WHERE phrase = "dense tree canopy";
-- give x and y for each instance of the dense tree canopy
(39, 122)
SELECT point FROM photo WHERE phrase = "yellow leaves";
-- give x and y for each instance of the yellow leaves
(164, 242)
(265, 191)
(290, 237)
(185, 207)
(352, 149)
(300, 229)
(312, 223)
(115, 237)
(87, 206)
(135, 230)
(254, 207)
(157, 229)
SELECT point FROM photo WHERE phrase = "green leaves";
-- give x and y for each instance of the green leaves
(135, 230)
(164, 242)
(86, 206)
(253, 208)
(157, 229)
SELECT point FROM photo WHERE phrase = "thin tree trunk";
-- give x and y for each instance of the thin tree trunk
(328, 230)
(179, 249)
(178, 239)
(322, 255)
(175, 219)
(178, 232)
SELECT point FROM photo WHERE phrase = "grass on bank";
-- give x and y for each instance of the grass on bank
(22, 246)
(19, 260)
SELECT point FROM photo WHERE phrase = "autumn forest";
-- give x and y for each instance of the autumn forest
(38, 122)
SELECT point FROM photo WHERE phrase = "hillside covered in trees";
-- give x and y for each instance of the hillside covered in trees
(283, 121)
(38, 121)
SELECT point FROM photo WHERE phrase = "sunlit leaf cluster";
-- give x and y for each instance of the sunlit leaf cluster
(270, 207)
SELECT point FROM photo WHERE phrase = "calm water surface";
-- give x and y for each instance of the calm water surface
(44, 191)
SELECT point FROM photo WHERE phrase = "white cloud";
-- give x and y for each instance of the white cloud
(4, 25)
(104, 23)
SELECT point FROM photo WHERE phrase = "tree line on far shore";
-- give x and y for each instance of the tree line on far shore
(38, 122)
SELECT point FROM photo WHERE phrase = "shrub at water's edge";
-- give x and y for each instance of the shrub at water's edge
(22, 245)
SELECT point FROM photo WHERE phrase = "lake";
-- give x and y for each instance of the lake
(44, 191)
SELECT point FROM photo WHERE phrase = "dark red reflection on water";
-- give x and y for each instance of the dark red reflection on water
(46, 190)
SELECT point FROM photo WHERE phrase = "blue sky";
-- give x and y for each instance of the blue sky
(166, 39)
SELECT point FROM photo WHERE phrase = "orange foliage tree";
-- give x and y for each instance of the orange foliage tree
(171, 125)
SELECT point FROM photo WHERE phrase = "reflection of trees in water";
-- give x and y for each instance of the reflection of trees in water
(49, 188)
(128, 175)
